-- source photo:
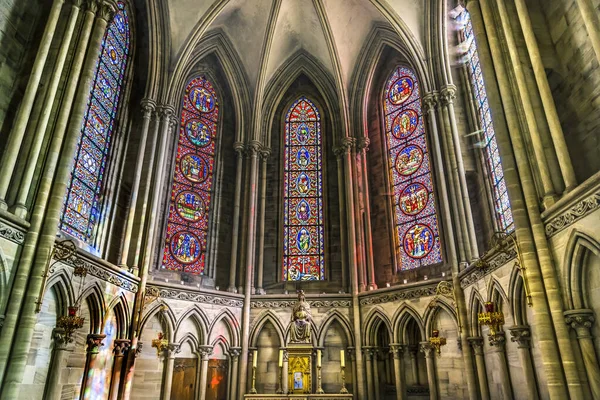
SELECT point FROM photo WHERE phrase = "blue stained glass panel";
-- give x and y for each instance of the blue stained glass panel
(81, 210)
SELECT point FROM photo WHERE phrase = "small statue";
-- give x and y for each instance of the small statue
(301, 321)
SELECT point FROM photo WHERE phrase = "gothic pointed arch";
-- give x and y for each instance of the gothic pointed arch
(401, 320)
(267, 317)
(431, 314)
(373, 321)
(231, 323)
(165, 315)
(475, 306)
(578, 246)
(334, 316)
(199, 320)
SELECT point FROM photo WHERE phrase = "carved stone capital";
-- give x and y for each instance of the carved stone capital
(581, 320)
(351, 352)
(286, 355)
(448, 94)
(362, 143)
(520, 334)
(427, 349)
(94, 342)
(60, 339)
(239, 148)
(235, 352)
(265, 153)
(253, 148)
(91, 6)
(138, 349)
(121, 346)
(430, 101)
(172, 349)
(498, 341)
(345, 146)
(77, 3)
(476, 343)
(368, 352)
(204, 352)
(106, 10)
(166, 111)
(397, 349)
(148, 107)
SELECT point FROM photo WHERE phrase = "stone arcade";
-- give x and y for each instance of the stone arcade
(274, 199)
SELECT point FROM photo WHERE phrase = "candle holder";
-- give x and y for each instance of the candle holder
(253, 390)
(319, 387)
(343, 373)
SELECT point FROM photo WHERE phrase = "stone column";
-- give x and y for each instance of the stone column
(343, 232)
(284, 372)
(368, 352)
(581, 321)
(253, 148)
(169, 360)
(239, 151)
(592, 23)
(522, 336)
(385, 354)
(22, 276)
(376, 377)
(20, 208)
(397, 350)
(57, 364)
(234, 352)
(413, 351)
(94, 342)
(363, 147)
(352, 358)
(264, 157)
(558, 137)
(121, 346)
(15, 138)
(429, 352)
(148, 107)
(477, 344)
(498, 343)
(204, 353)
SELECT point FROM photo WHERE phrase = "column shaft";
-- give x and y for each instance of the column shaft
(376, 377)
(20, 208)
(431, 375)
(590, 18)
(343, 233)
(477, 343)
(369, 368)
(53, 388)
(399, 372)
(121, 346)
(234, 374)
(168, 371)
(94, 342)
(11, 151)
(55, 201)
(205, 352)
(363, 147)
(147, 108)
(238, 147)
(284, 374)
(581, 321)
(264, 156)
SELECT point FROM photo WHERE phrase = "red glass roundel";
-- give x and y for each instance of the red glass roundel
(401, 90)
(405, 124)
(418, 241)
(185, 247)
(409, 160)
(413, 199)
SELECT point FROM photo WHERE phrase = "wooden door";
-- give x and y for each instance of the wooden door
(184, 379)
(216, 381)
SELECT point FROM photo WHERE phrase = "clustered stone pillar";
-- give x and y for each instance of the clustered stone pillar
(352, 358)
(397, 350)
(413, 351)
(264, 158)
(477, 345)
(169, 360)
(522, 336)
(376, 378)
(204, 353)
(368, 352)
(57, 364)
(94, 342)
(429, 351)
(340, 175)
(581, 321)
(239, 151)
(362, 148)
(234, 353)
(121, 347)
(498, 343)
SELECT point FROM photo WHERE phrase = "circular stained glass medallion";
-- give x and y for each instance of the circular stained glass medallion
(185, 247)
(408, 160)
(405, 124)
(202, 99)
(401, 90)
(190, 206)
(418, 241)
(197, 132)
(194, 168)
(302, 133)
(303, 240)
(413, 198)
(303, 211)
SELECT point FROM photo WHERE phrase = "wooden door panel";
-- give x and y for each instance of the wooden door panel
(216, 380)
(184, 379)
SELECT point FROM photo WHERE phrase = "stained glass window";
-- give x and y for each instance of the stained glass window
(492, 156)
(303, 245)
(82, 209)
(187, 227)
(415, 219)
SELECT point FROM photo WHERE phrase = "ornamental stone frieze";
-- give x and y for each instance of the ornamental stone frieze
(399, 294)
(284, 303)
(473, 274)
(11, 233)
(180, 294)
(573, 214)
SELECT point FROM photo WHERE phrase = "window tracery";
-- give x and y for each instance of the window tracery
(415, 219)
(303, 247)
(82, 209)
(187, 227)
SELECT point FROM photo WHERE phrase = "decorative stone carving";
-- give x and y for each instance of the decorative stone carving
(397, 349)
(448, 94)
(581, 320)
(12, 234)
(103, 273)
(427, 349)
(121, 346)
(521, 335)
(168, 293)
(94, 342)
(265, 153)
(204, 352)
(300, 328)
(401, 294)
(235, 352)
(498, 340)
(172, 349)
(148, 107)
(476, 343)
(290, 303)
(60, 339)
(430, 101)
(166, 111)
(573, 214)
(363, 143)
(498, 260)
(253, 148)
(106, 10)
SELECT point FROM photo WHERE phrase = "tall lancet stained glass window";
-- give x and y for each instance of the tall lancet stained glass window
(492, 156)
(187, 227)
(304, 242)
(415, 219)
(83, 202)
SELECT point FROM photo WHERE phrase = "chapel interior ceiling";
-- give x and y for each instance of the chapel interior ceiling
(299, 25)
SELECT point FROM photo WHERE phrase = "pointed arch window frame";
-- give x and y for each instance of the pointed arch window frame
(320, 195)
(420, 176)
(97, 133)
